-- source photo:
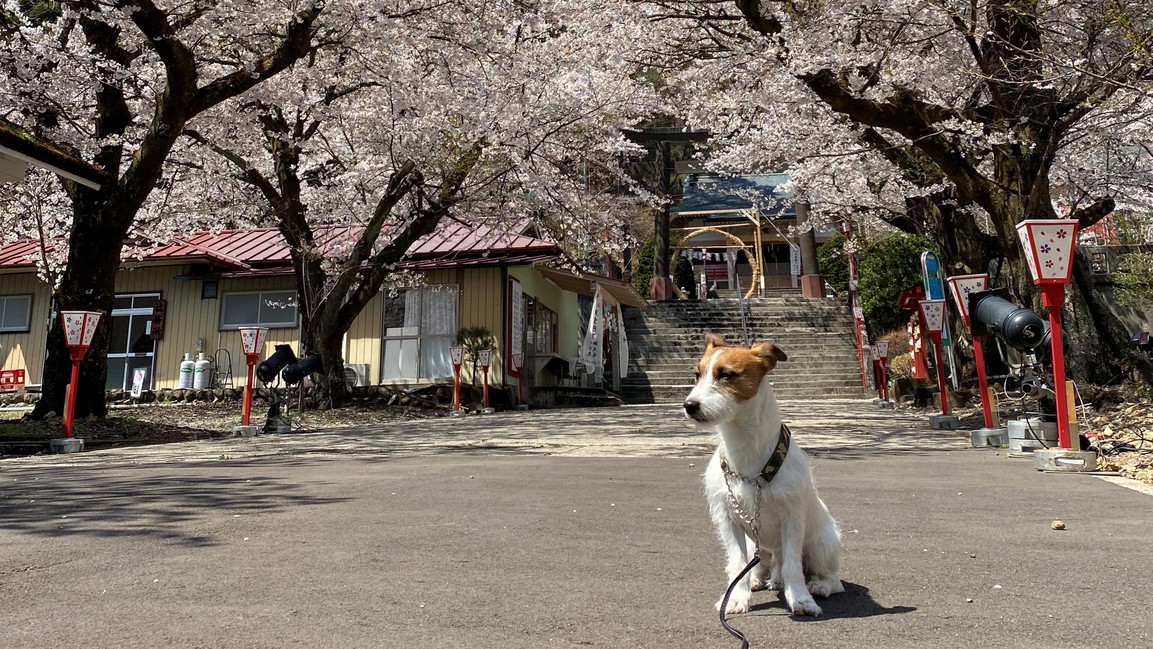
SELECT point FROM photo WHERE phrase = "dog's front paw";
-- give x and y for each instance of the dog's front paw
(801, 603)
(738, 603)
(825, 586)
(802, 608)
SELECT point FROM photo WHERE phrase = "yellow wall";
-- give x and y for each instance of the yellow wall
(26, 350)
(483, 302)
(563, 303)
(190, 318)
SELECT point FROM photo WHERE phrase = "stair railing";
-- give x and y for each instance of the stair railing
(741, 306)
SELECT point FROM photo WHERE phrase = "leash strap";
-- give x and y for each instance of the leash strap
(725, 602)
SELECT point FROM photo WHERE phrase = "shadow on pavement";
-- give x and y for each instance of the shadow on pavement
(152, 507)
(855, 602)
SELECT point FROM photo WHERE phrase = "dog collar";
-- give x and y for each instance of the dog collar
(775, 460)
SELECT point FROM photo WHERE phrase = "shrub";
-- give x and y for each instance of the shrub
(888, 267)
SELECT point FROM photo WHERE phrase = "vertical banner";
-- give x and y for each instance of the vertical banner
(592, 350)
(515, 323)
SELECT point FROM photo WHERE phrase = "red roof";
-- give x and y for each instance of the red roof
(263, 250)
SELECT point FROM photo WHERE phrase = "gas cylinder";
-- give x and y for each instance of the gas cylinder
(202, 373)
(187, 366)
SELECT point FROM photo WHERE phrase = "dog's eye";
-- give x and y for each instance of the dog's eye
(725, 373)
(696, 374)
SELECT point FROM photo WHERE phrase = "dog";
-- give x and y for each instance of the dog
(759, 487)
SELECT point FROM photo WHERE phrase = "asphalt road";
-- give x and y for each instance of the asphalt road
(474, 534)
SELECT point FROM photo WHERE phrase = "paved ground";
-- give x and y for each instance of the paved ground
(553, 528)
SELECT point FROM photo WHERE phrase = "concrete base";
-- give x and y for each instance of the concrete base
(884, 404)
(523, 406)
(66, 445)
(989, 437)
(1064, 460)
(488, 411)
(245, 431)
(944, 422)
(457, 413)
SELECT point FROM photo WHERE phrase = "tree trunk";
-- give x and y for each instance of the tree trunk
(88, 284)
(328, 341)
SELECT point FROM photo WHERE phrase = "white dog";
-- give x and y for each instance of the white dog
(759, 484)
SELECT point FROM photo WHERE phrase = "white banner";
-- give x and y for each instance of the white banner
(592, 349)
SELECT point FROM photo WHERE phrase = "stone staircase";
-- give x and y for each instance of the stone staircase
(667, 338)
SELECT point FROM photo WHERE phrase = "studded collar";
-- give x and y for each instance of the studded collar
(772, 466)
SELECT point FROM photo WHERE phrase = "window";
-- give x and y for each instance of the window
(258, 308)
(419, 327)
(15, 313)
(540, 328)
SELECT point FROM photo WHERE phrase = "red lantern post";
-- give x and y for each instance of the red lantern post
(883, 358)
(457, 355)
(1048, 245)
(518, 365)
(485, 361)
(79, 327)
(961, 286)
(933, 315)
(252, 344)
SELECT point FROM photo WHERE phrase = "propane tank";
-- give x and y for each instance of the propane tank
(202, 373)
(187, 366)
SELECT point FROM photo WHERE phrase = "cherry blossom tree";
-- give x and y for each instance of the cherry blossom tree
(488, 112)
(114, 82)
(983, 112)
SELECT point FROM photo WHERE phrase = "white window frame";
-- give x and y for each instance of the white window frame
(261, 300)
(416, 338)
(6, 304)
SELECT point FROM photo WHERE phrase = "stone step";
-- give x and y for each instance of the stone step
(666, 340)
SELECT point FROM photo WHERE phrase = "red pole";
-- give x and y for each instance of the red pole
(70, 407)
(456, 387)
(982, 381)
(884, 380)
(486, 386)
(1053, 297)
(248, 389)
(936, 336)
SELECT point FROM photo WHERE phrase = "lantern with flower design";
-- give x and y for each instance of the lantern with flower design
(79, 328)
(1049, 245)
(933, 315)
(252, 344)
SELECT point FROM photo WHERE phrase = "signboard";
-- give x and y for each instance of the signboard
(883, 348)
(457, 354)
(931, 273)
(794, 261)
(515, 321)
(138, 380)
(517, 361)
(485, 358)
(11, 380)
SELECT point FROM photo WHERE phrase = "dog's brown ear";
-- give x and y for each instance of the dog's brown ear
(714, 340)
(770, 353)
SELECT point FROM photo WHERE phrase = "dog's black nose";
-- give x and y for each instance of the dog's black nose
(692, 406)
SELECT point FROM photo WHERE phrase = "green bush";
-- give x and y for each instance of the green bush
(888, 267)
(833, 264)
(1133, 286)
(646, 265)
